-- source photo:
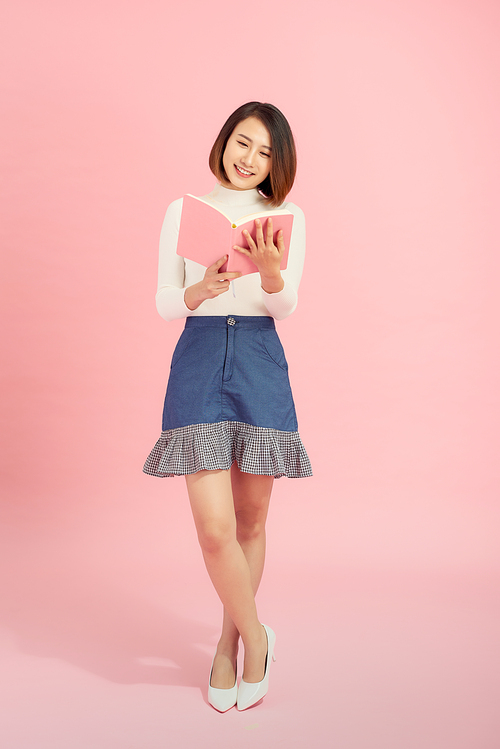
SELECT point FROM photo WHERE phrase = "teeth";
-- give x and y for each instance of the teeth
(243, 171)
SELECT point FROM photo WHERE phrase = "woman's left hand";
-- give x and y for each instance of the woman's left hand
(266, 255)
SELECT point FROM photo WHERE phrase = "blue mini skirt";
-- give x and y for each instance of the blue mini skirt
(229, 399)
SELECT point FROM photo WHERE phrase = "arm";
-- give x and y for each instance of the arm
(281, 304)
(170, 294)
(173, 301)
(279, 288)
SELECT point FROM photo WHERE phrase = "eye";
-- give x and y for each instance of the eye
(263, 153)
(242, 143)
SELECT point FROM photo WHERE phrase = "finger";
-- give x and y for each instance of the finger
(215, 266)
(249, 238)
(242, 250)
(222, 287)
(217, 286)
(269, 239)
(281, 241)
(259, 233)
(229, 275)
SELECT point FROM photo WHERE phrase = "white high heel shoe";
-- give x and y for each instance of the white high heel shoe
(249, 693)
(222, 699)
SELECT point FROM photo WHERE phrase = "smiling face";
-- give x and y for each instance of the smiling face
(247, 158)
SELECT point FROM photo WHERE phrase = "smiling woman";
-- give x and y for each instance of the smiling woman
(265, 136)
(247, 156)
(229, 423)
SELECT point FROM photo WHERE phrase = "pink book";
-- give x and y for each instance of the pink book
(206, 234)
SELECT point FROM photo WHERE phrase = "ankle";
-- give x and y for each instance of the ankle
(256, 638)
(228, 647)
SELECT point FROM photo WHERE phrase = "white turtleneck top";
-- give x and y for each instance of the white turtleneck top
(176, 273)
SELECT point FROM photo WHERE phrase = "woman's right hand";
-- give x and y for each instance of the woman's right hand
(213, 284)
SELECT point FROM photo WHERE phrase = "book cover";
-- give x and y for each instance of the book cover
(206, 234)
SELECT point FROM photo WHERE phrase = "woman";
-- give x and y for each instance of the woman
(229, 421)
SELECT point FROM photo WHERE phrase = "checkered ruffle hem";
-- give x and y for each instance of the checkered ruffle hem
(258, 450)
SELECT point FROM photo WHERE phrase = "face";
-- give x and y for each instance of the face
(247, 158)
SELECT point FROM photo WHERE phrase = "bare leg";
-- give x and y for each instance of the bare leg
(251, 495)
(211, 497)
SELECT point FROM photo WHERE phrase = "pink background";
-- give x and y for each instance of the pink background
(382, 573)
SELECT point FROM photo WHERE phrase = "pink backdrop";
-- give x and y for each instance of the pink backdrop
(109, 110)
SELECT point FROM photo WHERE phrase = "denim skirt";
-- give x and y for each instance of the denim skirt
(229, 399)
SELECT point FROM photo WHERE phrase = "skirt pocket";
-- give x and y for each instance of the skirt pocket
(182, 346)
(272, 345)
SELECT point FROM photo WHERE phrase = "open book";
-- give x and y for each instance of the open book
(206, 234)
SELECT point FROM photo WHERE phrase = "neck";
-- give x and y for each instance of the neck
(223, 194)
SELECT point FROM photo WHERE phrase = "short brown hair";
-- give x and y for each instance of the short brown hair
(280, 179)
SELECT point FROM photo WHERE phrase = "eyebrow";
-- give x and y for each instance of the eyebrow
(240, 135)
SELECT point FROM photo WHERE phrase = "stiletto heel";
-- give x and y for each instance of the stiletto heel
(222, 699)
(249, 694)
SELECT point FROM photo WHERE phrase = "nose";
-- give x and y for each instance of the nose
(249, 157)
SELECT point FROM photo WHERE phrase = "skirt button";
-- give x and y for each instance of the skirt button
(231, 321)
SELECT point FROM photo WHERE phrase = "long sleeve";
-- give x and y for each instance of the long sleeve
(282, 303)
(170, 293)
(246, 296)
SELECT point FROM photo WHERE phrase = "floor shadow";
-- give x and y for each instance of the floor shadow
(88, 619)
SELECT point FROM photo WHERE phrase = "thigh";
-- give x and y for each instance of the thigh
(251, 494)
(211, 498)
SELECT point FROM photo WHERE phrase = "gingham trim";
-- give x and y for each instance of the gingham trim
(258, 450)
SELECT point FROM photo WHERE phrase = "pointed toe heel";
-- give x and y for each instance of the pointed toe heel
(222, 699)
(250, 693)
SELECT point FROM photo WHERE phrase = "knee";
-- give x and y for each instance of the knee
(214, 537)
(250, 527)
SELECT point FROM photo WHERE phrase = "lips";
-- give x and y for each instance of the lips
(243, 172)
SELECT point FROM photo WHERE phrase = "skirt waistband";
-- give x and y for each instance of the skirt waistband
(240, 321)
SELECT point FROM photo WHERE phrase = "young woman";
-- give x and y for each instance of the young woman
(229, 422)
